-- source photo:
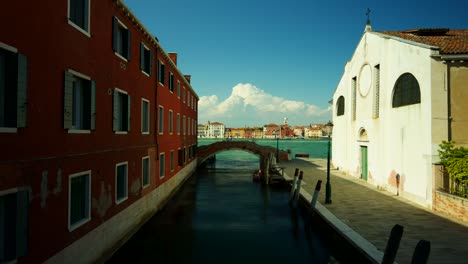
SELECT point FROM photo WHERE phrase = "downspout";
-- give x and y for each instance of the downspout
(449, 107)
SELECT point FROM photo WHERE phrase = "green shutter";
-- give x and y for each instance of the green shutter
(86, 15)
(128, 112)
(93, 105)
(68, 101)
(22, 223)
(150, 63)
(142, 57)
(128, 44)
(115, 33)
(116, 110)
(22, 90)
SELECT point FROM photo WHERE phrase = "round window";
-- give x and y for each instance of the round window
(365, 80)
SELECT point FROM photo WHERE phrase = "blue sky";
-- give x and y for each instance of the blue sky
(254, 62)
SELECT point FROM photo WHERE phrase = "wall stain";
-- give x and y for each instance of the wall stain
(44, 188)
(104, 202)
(136, 187)
(58, 187)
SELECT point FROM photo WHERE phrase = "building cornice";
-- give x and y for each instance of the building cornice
(126, 11)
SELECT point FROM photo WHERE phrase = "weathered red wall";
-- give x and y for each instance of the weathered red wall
(41, 32)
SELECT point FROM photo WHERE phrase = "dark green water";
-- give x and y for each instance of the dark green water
(221, 216)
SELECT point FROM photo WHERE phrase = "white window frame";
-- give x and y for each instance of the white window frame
(117, 201)
(142, 117)
(86, 77)
(171, 121)
(124, 26)
(120, 131)
(148, 49)
(160, 120)
(164, 73)
(189, 126)
(149, 172)
(71, 23)
(14, 50)
(188, 98)
(162, 158)
(88, 218)
(178, 124)
(178, 89)
(183, 94)
(171, 75)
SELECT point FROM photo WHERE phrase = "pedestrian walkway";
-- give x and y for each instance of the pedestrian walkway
(372, 213)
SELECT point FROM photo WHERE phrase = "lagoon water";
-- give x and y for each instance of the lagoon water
(220, 216)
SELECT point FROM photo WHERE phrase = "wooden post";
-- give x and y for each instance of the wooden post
(293, 186)
(297, 193)
(421, 252)
(393, 244)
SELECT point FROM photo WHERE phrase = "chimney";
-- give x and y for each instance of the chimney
(187, 77)
(173, 57)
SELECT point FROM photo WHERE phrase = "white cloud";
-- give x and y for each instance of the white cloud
(252, 106)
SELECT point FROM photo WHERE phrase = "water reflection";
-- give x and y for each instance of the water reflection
(220, 215)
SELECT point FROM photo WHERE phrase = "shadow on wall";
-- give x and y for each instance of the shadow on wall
(392, 180)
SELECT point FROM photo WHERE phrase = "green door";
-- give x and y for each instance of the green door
(364, 163)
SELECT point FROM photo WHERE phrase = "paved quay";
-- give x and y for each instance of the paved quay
(372, 213)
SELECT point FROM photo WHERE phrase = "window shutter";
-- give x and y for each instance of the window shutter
(150, 63)
(22, 90)
(93, 105)
(22, 223)
(116, 110)
(142, 57)
(128, 44)
(68, 101)
(163, 73)
(86, 15)
(115, 33)
(128, 112)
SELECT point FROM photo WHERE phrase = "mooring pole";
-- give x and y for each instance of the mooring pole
(293, 186)
(393, 244)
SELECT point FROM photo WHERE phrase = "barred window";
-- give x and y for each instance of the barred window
(340, 106)
(406, 91)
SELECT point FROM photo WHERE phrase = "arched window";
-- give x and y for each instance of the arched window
(340, 106)
(406, 91)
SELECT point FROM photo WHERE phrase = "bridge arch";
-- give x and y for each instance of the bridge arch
(206, 151)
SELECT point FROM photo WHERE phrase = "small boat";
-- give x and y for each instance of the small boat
(256, 176)
(301, 155)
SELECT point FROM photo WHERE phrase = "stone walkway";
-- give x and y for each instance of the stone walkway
(373, 213)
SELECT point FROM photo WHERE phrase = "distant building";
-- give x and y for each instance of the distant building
(202, 129)
(314, 132)
(401, 94)
(272, 131)
(215, 130)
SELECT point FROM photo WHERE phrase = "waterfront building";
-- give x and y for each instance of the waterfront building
(201, 130)
(313, 132)
(272, 131)
(257, 132)
(299, 131)
(215, 130)
(97, 128)
(238, 132)
(401, 94)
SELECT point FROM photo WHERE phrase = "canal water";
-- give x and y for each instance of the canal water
(221, 216)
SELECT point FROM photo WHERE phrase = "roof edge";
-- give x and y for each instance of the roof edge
(410, 42)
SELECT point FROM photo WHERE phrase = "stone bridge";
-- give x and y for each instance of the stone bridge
(265, 153)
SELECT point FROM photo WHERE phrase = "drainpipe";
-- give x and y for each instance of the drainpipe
(449, 107)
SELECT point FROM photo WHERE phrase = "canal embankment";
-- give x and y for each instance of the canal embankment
(365, 216)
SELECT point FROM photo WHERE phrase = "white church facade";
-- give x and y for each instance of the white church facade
(401, 94)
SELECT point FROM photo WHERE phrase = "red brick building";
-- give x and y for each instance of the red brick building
(97, 129)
